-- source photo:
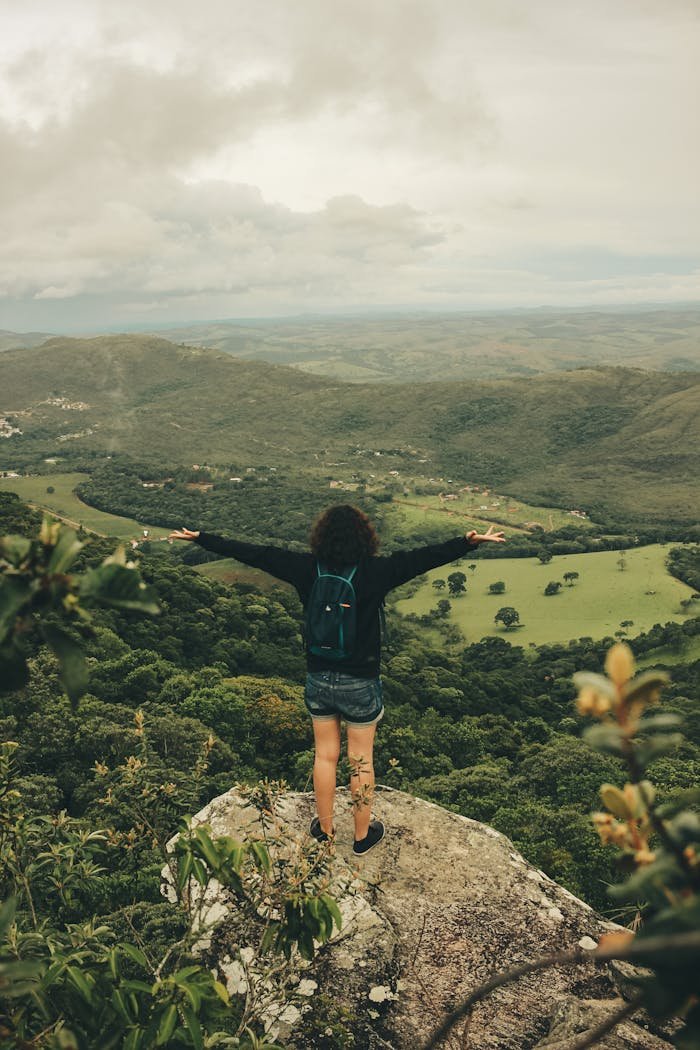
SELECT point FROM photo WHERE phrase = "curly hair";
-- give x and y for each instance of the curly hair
(342, 535)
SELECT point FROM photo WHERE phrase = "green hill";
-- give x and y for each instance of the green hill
(427, 347)
(622, 442)
(16, 340)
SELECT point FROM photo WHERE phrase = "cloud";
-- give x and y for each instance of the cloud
(193, 157)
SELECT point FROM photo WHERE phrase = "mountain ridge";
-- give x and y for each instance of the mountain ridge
(588, 436)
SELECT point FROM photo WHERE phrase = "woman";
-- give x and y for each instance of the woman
(347, 688)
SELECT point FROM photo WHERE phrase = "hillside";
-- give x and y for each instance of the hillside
(17, 340)
(620, 441)
(428, 347)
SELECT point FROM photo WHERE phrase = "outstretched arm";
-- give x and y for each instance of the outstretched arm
(284, 564)
(487, 537)
(402, 566)
(183, 534)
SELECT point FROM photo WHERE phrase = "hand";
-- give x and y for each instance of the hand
(182, 534)
(488, 537)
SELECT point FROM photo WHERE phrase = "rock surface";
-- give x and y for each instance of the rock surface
(443, 903)
(575, 1018)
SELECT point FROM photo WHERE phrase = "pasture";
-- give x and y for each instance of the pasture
(596, 605)
(476, 510)
(64, 504)
(229, 571)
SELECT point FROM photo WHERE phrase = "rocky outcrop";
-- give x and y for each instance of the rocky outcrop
(573, 1019)
(434, 910)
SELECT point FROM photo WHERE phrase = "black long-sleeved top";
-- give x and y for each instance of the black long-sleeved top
(375, 577)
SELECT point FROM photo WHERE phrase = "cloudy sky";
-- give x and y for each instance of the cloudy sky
(167, 161)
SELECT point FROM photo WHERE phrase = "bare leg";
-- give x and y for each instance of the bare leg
(361, 759)
(327, 740)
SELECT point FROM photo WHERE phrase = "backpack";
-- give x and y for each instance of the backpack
(331, 614)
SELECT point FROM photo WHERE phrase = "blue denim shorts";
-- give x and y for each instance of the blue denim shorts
(358, 701)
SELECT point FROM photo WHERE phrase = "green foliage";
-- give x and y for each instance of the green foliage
(478, 729)
(659, 844)
(35, 582)
(267, 506)
(553, 587)
(456, 582)
(71, 980)
(508, 616)
(684, 562)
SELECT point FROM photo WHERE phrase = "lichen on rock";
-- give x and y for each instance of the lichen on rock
(439, 906)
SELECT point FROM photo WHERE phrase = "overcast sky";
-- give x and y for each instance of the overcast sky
(165, 161)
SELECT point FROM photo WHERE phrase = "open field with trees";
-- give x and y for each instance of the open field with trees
(64, 503)
(474, 508)
(595, 604)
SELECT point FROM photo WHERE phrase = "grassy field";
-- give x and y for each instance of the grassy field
(65, 505)
(599, 601)
(229, 571)
(476, 510)
(687, 654)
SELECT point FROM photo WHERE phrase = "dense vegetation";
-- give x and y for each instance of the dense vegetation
(488, 730)
(179, 706)
(570, 439)
(263, 505)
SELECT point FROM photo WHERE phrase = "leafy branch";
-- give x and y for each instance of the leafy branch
(38, 594)
(658, 851)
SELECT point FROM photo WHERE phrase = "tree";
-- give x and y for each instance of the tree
(439, 585)
(472, 567)
(544, 556)
(570, 577)
(456, 582)
(443, 608)
(497, 588)
(553, 587)
(35, 581)
(652, 852)
(508, 616)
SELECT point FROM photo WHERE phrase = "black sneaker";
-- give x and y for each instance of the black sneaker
(318, 833)
(374, 835)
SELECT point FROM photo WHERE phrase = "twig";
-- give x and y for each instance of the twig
(639, 949)
(420, 941)
(609, 1023)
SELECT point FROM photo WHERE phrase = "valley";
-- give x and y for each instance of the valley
(620, 444)
(595, 604)
(65, 505)
(429, 347)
